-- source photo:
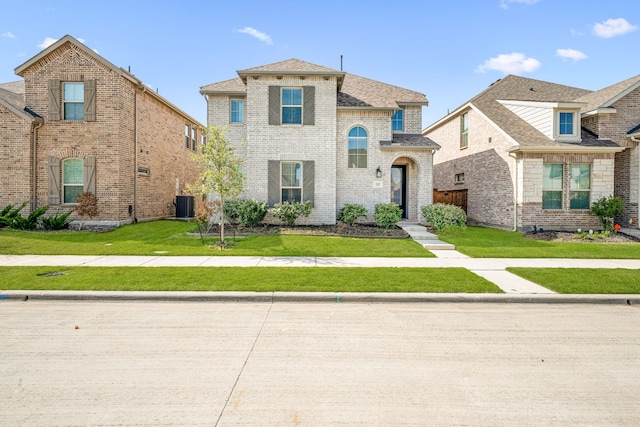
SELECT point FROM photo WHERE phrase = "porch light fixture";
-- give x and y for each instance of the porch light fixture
(378, 172)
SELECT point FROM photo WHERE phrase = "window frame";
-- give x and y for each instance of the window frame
(546, 190)
(458, 178)
(73, 102)
(574, 136)
(187, 133)
(299, 177)
(574, 191)
(291, 107)
(193, 138)
(235, 112)
(66, 185)
(397, 121)
(464, 130)
(357, 156)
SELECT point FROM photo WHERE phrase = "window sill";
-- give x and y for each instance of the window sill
(464, 148)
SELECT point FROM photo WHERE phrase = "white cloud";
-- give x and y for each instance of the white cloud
(512, 63)
(505, 3)
(48, 41)
(257, 34)
(9, 35)
(575, 32)
(613, 27)
(573, 54)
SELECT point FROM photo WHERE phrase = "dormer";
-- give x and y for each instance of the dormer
(558, 121)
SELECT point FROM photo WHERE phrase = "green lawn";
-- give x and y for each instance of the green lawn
(481, 242)
(259, 279)
(583, 280)
(170, 238)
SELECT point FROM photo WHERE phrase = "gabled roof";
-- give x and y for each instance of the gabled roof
(516, 88)
(13, 98)
(117, 70)
(604, 98)
(353, 91)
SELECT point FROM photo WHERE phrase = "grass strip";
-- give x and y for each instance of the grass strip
(258, 279)
(169, 238)
(483, 242)
(583, 280)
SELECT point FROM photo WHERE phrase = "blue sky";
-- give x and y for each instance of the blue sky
(448, 50)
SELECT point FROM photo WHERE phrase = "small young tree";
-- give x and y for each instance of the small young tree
(87, 205)
(220, 175)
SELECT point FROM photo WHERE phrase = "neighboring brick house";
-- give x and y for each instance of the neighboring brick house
(532, 153)
(308, 132)
(78, 123)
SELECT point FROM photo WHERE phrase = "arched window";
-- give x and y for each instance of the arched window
(357, 148)
(72, 179)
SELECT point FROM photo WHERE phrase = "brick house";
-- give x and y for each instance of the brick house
(308, 132)
(532, 153)
(78, 123)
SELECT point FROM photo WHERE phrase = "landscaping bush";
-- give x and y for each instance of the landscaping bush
(30, 222)
(440, 215)
(289, 212)
(387, 215)
(245, 211)
(606, 209)
(9, 213)
(87, 205)
(350, 212)
(232, 209)
(56, 222)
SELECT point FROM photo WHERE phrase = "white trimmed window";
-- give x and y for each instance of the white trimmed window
(291, 106)
(397, 122)
(237, 111)
(187, 131)
(552, 186)
(73, 100)
(566, 126)
(72, 179)
(580, 186)
(357, 157)
(291, 184)
(464, 130)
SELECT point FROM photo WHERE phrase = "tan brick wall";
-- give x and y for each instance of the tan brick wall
(112, 138)
(15, 159)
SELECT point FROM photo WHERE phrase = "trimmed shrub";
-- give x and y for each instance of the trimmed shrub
(606, 209)
(245, 211)
(289, 212)
(387, 215)
(56, 222)
(440, 215)
(350, 212)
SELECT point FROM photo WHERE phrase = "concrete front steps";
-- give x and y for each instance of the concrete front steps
(428, 240)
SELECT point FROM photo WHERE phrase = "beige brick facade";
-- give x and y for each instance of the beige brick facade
(260, 142)
(137, 138)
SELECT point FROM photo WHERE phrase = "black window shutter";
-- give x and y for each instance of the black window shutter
(308, 180)
(273, 182)
(309, 105)
(274, 105)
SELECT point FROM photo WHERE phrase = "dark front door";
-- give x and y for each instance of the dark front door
(399, 187)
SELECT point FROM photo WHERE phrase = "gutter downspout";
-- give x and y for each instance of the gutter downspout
(515, 192)
(135, 153)
(636, 140)
(35, 125)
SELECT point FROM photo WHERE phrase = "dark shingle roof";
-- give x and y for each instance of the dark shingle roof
(633, 130)
(590, 139)
(353, 91)
(407, 140)
(13, 93)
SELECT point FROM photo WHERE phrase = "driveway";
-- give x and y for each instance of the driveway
(317, 364)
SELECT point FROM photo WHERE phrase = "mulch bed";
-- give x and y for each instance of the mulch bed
(340, 229)
(563, 236)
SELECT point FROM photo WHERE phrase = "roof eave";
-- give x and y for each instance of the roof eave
(564, 149)
(20, 113)
(597, 111)
(396, 147)
(346, 108)
(224, 92)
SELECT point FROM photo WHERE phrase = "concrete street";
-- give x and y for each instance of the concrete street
(317, 364)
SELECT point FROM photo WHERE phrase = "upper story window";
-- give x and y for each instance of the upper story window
(357, 149)
(291, 106)
(187, 132)
(237, 111)
(72, 179)
(565, 123)
(397, 123)
(73, 101)
(464, 130)
(193, 138)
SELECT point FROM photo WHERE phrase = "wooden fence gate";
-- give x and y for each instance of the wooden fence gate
(452, 197)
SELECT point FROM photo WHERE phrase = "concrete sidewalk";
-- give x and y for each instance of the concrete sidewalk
(492, 269)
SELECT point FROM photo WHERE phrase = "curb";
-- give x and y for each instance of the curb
(316, 297)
